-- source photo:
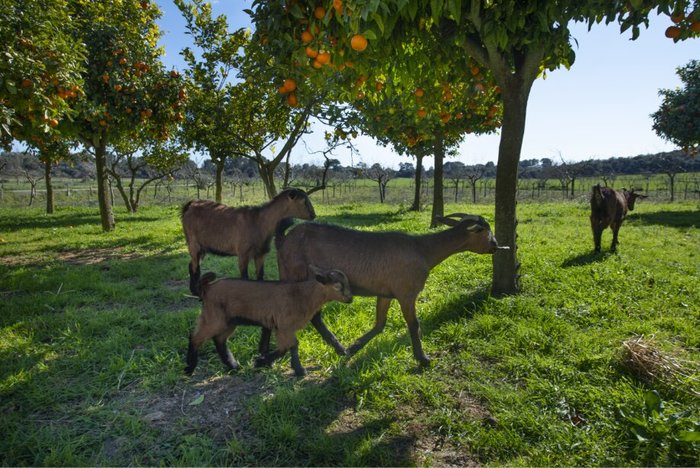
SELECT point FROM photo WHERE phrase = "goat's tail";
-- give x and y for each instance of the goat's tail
(598, 196)
(205, 281)
(282, 227)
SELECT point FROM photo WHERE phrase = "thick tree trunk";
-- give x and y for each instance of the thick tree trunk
(103, 195)
(49, 186)
(506, 267)
(419, 176)
(438, 192)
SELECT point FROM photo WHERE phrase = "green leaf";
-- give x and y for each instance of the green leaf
(380, 22)
(197, 401)
(653, 402)
(436, 9)
(689, 436)
(455, 9)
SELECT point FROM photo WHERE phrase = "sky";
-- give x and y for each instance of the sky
(600, 108)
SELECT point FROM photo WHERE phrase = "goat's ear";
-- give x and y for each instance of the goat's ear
(319, 274)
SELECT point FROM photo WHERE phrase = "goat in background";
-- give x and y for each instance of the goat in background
(609, 208)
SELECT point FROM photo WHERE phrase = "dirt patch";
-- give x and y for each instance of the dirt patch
(95, 256)
(215, 405)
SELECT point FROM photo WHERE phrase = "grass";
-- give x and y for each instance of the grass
(94, 331)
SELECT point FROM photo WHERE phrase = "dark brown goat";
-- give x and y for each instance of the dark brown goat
(281, 306)
(388, 265)
(609, 208)
(211, 227)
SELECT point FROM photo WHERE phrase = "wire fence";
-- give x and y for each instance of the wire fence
(74, 192)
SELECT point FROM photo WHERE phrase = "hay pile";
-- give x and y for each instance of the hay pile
(643, 358)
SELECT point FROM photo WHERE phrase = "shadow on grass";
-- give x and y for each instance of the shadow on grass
(586, 258)
(13, 223)
(351, 219)
(678, 219)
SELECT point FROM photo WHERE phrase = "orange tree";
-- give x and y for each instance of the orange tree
(678, 119)
(39, 78)
(516, 41)
(421, 104)
(235, 109)
(39, 68)
(125, 85)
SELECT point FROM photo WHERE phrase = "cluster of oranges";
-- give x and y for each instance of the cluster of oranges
(682, 22)
(319, 51)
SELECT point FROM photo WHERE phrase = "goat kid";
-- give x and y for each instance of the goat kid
(284, 307)
(388, 265)
(609, 208)
(245, 232)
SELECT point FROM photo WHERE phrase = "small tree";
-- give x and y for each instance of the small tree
(678, 118)
(381, 176)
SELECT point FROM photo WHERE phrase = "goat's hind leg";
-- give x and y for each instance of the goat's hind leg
(409, 314)
(615, 230)
(383, 304)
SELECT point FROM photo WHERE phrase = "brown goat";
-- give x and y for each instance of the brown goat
(609, 208)
(211, 227)
(388, 265)
(281, 306)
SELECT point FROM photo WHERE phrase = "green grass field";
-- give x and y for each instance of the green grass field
(594, 363)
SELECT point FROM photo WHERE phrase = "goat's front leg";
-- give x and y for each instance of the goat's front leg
(260, 267)
(327, 335)
(408, 307)
(222, 348)
(243, 265)
(383, 304)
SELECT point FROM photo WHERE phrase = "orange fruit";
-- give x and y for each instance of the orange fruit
(419, 92)
(677, 18)
(672, 32)
(282, 90)
(319, 12)
(422, 113)
(290, 85)
(26, 83)
(323, 58)
(338, 5)
(311, 53)
(445, 117)
(695, 26)
(358, 42)
(379, 85)
(306, 36)
(316, 63)
(292, 100)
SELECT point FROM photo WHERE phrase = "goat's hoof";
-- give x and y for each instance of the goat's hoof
(189, 370)
(261, 361)
(300, 372)
(423, 361)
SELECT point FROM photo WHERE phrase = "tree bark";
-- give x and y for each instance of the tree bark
(49, 186)
(219, 162)
(419, 176)
(103, 195)
(438, 191)
(506, 267)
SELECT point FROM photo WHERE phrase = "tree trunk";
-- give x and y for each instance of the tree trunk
(506, 267)
(103, 195)
(267, 174)
(438, 194)
(49, 186)
(219, 178)
(419, 176)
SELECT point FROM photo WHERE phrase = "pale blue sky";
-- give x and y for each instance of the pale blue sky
(598, 109)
